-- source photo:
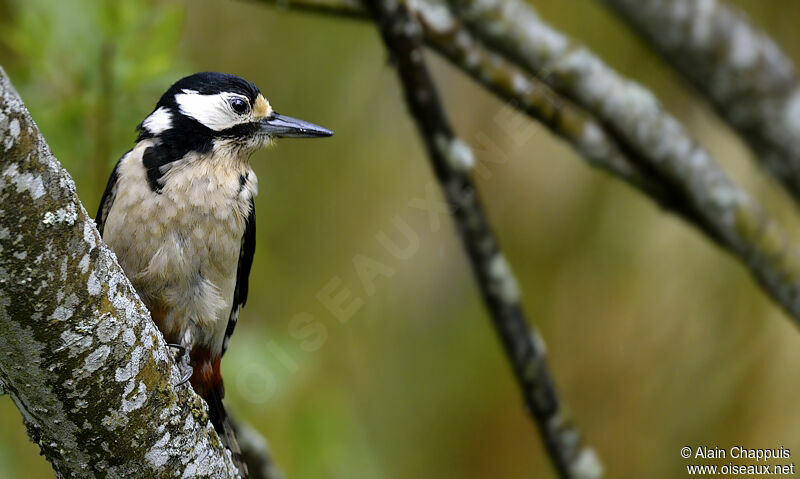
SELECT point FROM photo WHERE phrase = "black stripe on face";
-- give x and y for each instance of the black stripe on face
(241, 131)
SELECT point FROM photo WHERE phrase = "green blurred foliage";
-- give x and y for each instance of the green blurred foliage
(88, 71)
(657, 339)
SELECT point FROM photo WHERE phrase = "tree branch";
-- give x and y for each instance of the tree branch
(79, 354)
(635, 117)
(452, 162)
(749, 80)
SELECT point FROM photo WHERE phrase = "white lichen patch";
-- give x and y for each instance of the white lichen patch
(89, 235)
(503, 283)
(593, 142)
(107, 329)
(744, 47)
(13, 132)
(520, 85)
(66, 215)
(436, 15)
(538, 342)
(791, 112)
(129, 337)
(158, 455)
(93, 284)
(137, 400)
(131, 368)
(586, 465)
(75, 342)
(66, 309)
(96, 358)
(456, 153)
(83, 266)
(25, 181)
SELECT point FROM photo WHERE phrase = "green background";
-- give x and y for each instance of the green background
(657, 339)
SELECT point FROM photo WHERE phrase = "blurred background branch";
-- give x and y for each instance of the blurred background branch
(636, 117)
(452, 162)
(746, 76)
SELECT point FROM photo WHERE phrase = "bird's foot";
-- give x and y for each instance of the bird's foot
(187, 374)
(181, 349)
(183, 363)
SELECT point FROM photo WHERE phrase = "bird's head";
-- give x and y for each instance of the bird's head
(210, 110)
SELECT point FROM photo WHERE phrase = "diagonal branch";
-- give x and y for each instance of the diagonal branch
(749, 80)
(79, 354)
(635, 117)
(452, 162)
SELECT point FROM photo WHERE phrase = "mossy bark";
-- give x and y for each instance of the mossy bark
(79, 354)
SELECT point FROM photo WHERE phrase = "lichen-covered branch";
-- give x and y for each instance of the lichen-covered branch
(635, 116)
(583, 131)
(747, 77)
(452, 162)
(79, 354)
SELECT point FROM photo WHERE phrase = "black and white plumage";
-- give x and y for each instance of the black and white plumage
(178, 212)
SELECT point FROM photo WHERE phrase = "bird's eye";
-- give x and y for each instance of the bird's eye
(239, 106)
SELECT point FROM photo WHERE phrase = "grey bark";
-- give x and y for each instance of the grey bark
(749, 80)
(79, 354)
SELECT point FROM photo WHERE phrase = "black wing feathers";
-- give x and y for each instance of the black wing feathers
(108, 198)
(243, 273)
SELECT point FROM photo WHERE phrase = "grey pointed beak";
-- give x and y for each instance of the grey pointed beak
(283, 126)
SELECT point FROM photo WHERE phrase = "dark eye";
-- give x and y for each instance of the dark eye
(239, 106)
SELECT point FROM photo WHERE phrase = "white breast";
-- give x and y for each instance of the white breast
(181, 248)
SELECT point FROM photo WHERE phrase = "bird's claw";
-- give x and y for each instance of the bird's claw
(186, 375)
(183, 363)
(181, 349)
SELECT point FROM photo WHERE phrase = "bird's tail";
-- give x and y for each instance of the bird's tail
(222, 423)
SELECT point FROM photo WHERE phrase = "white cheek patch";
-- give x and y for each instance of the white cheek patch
(213, 111)
(159, 121)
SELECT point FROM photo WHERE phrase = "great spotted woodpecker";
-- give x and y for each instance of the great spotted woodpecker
(178, 212)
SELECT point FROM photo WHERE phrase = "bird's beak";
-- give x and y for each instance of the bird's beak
(283, 126)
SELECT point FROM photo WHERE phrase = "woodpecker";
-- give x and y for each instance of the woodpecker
(178, 212)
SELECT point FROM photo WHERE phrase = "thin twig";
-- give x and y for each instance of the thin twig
(588, 136)
(749, 80)
(452, 161)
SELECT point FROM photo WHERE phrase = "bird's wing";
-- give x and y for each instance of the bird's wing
(246, 253)
(108, 197)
